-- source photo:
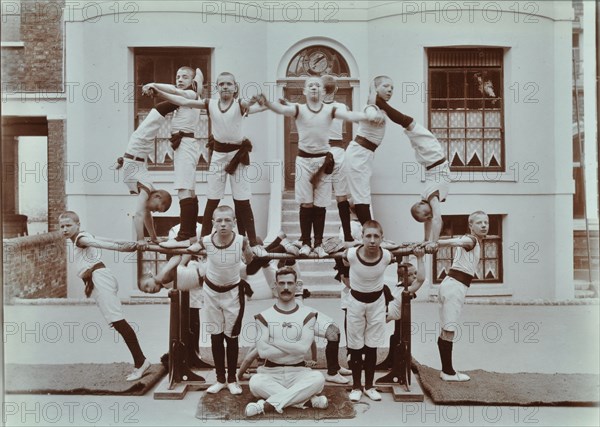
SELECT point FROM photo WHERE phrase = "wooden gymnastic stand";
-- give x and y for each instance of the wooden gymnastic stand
(400, 376)
(180, 378)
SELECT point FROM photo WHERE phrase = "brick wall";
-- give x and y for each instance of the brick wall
(56, 173)
(35, 267)
(38, 66)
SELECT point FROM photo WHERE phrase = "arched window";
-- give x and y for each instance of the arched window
(318, 60)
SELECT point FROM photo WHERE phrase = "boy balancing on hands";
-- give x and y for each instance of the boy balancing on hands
(313, 121)
(101, 284)
(187, 153)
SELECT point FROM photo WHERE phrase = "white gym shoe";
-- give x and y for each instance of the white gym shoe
(373, 394)
(216, 387)
(337, 378)
(319, 402)
(344, 371)
(321, 253)
(290, 248)
(138, 372)
(234, 388)
(255, 408)
(259, 251)
(457, 377)
(355, 395)
(305, 250)
(175, 244)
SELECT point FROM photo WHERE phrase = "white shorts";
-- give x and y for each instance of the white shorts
(185, 161)
(452, 298)
(338, 177)
(217, 178)
(437, 181)
(320, 195)
(196, 298)
(134, 172)
(358, 163)
(221, 310)
(365, 323)
(105, 295)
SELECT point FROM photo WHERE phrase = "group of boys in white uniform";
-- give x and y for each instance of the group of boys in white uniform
(319, 125)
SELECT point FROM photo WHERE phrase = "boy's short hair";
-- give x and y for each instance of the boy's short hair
(228, 74)
(313, 78)
(224, 208)
(164, 195)
(286, 270)
(474, 214)
(414, 210)
(188, 68)
(69, 214)
(372, 224)
(379, 79)
(406, 264)
(329, 84)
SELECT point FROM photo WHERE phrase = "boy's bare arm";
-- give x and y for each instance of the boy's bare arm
(105, 243)
(143, 217)
(170, 89)
(288, 110)
(436, 220)
(166, 273)
(463, 242)
(250, 357)
(247, 254)
(181, 100)
(420, 279)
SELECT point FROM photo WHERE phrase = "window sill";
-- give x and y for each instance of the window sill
(12, 44)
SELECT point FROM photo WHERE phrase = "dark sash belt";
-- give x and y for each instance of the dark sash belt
(121, 161)
(325, 169)
(364, 142)
(461, 276)
(366, 297)
(87, 278)
(302, 153)
(177, 137)
(269, 364)
(439, 162)
(244, 289)
(336, 143)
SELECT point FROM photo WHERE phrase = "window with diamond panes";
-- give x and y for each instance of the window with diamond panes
(160, 65)
(466, 106)
(489, 269)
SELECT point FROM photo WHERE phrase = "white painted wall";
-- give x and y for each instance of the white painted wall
(533, 194)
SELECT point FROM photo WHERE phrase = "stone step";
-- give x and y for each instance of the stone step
(321, 265)
(582, 285)
(294, 227)
(294, 235)
(585, 294)
(323, 291)
(291, 204)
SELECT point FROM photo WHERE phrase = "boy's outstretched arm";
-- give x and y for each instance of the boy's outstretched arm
(467, 242)
(169, 89)
(288, 110)
(143, 217)
(433, 227)
(105, 243)
(181, 100)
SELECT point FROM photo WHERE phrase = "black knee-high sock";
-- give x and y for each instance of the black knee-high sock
(369, 365)
(218, 351)
(188, 213)
(245, 218)
(125, 330)
(196, 205)
(331, 356)
(445, 348)
(271, 246)
(356, 364)
(195, 331)
(233, 348)
(363, 212)
(211, 205)
(306, 221)
(165, 108)
(319, 223)
(344, 211)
